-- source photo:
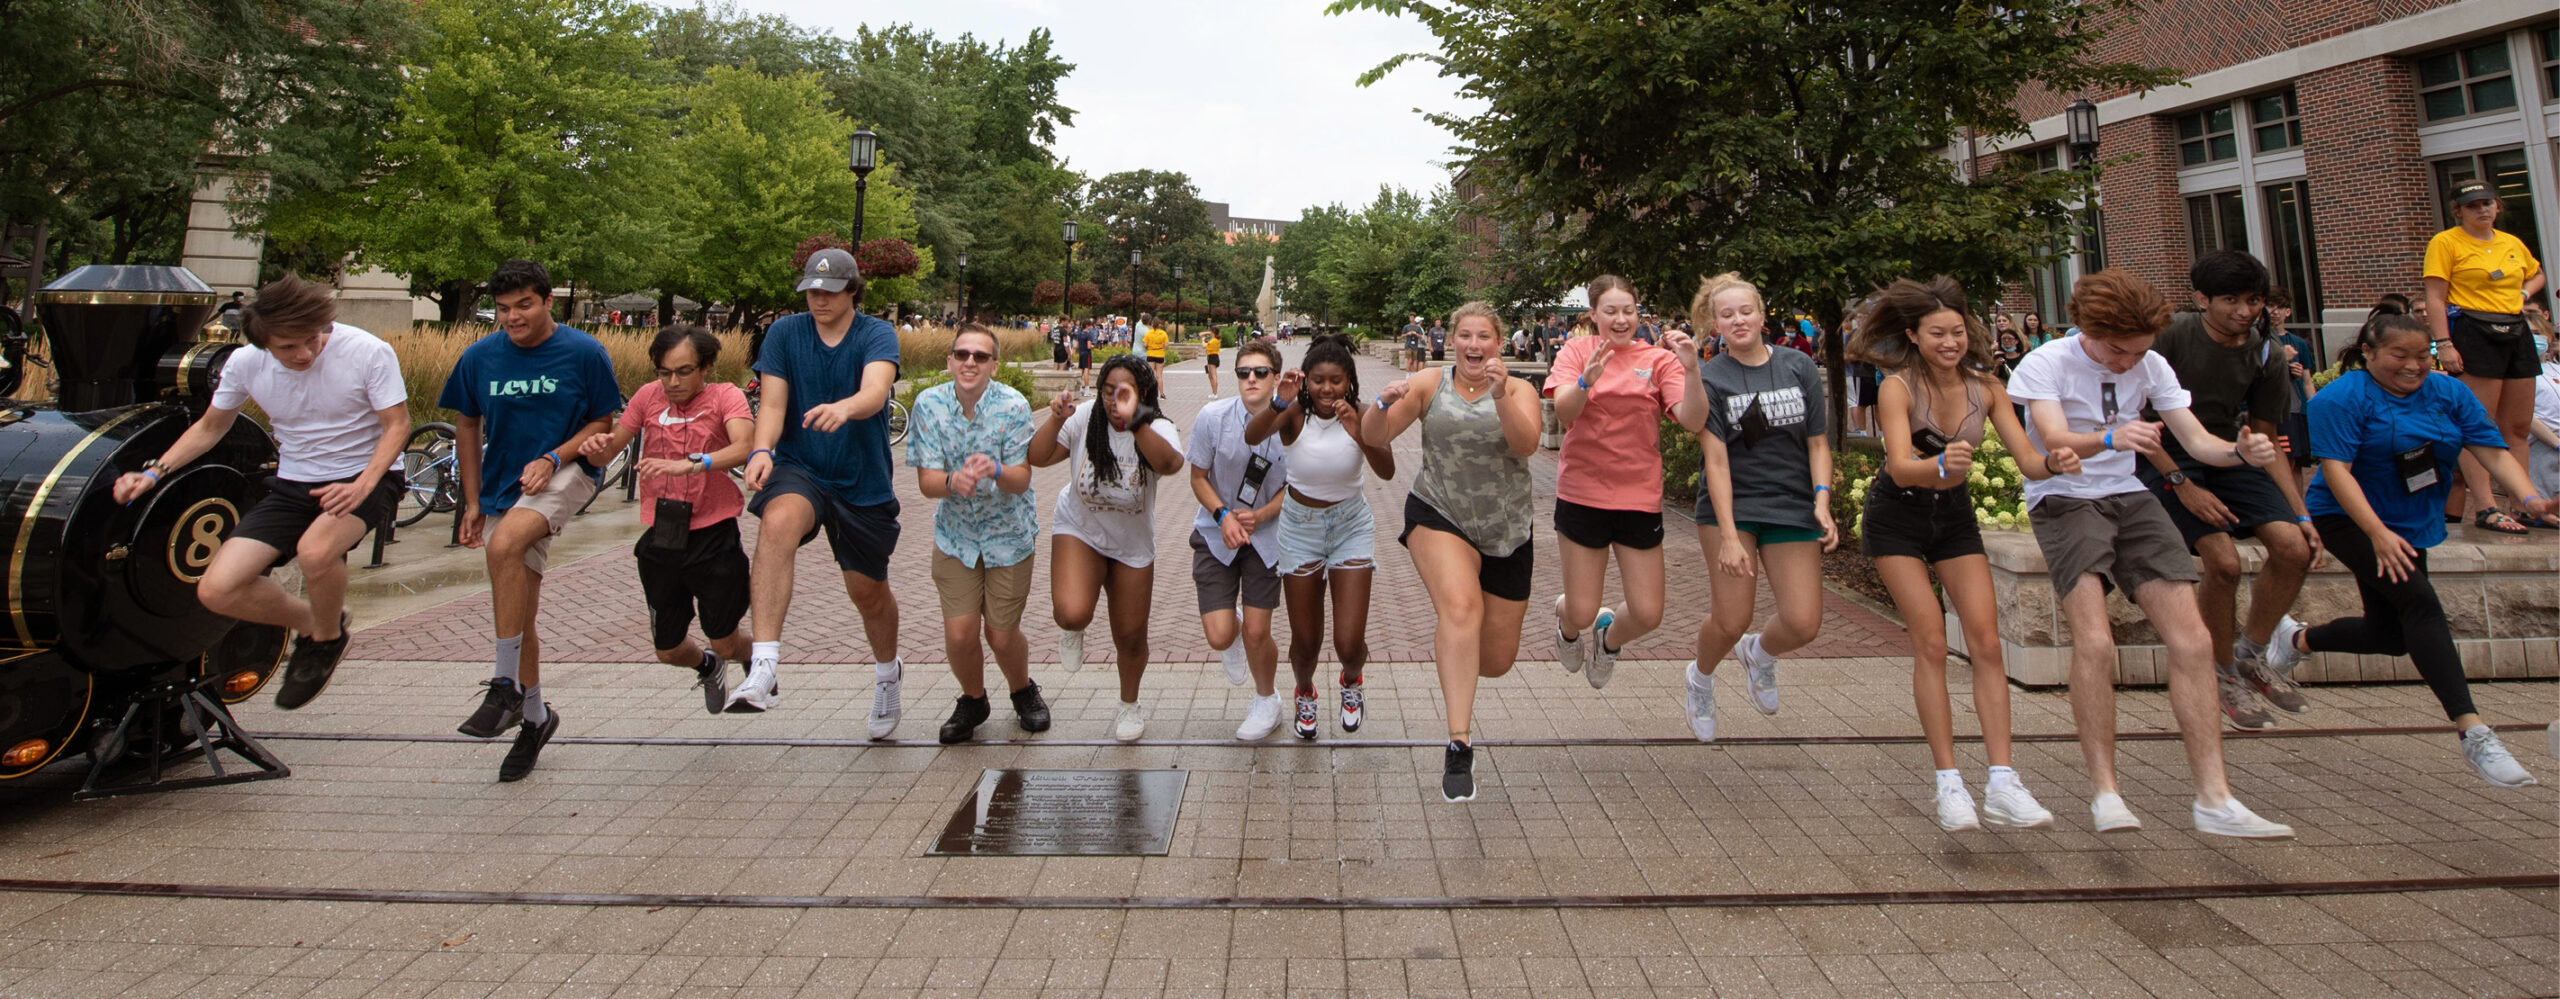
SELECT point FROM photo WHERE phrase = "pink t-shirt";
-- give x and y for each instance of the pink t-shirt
(700, 426)
(1612, 455)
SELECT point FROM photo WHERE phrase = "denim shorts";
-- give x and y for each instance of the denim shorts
(1341, 536)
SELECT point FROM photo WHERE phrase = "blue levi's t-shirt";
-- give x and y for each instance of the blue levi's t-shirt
(528, 400)
(852, 462)
(2357, 421)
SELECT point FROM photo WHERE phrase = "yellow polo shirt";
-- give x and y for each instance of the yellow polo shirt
(1155, 341)
(2485, 277)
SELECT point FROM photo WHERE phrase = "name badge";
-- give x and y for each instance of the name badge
(2498, 275)
(2417, 467)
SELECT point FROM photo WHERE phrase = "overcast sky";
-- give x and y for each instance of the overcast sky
(1257, 101)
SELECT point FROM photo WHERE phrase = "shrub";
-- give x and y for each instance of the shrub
(1996, 487)
(1019, 378)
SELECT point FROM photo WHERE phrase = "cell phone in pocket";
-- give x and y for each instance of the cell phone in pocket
(1250, 493)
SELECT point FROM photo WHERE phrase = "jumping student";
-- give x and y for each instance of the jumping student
(2386, 433)
(2102, 530)
(691, 430)
(334, 399)
(1763, 489)
(1235, 538)
(969, 442)
(1102, 531)
(538, 389)
(1467, 520)
(1328, 536)
(1610, 394)
(1940, 395)
(821, 460)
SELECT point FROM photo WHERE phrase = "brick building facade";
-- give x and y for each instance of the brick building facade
(2319, 136)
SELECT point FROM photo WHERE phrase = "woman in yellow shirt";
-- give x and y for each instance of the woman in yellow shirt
(2477, 281)
(1210, 344)
(1156, 340)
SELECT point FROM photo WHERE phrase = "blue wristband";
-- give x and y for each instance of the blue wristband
(1280, 405)
(1822, 489)
(2109, 441)
(1942, 466)
(766, 451)
(1582, 381)
(2302, 520)
(555, 459)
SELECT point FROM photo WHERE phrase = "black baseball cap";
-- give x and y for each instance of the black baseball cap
(2473, 191)
(830, 270)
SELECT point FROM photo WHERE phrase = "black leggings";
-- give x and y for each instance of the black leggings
(2400, 619)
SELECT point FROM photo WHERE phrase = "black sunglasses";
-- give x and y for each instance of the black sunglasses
(972, 356)
(1257, 371)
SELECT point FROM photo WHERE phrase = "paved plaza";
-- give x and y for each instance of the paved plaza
(661, 851)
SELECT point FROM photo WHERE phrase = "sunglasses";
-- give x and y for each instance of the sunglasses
(1257, 371)
(972, 356)
(687, 371)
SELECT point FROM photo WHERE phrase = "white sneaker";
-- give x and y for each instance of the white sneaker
(761, 690)
(1955, 809)
(2007, 805)
(2108, 813)
(2480, 745)
(886, 702)
(1760, 673)
(2235, 819)
(1702, 703)
(2282, 656)
(1070, 650)
(1239, 669)
(1129, 723)
(1602, 661)
(1261, 718)
(1569, 652)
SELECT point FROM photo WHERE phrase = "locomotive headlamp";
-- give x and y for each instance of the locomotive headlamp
(25, 754)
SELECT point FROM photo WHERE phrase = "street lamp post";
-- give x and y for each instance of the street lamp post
(964, 286)
(2080, 125)
(1069, 281)
(1134, 257)
(865, 156)
(1177, 297)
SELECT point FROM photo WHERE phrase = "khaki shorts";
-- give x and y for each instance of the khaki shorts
(995, 591)
(2126, 540)
(558, 501)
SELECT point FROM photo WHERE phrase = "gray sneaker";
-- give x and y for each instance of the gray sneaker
(2281, 655)
(2276, 688)
(2240, 702)
(1599, 659)
(1569, 651)
(1702, 703)
(2491, 759)
(1760, 673)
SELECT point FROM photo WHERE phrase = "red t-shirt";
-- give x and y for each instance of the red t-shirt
(700, 426)
(1612, 455)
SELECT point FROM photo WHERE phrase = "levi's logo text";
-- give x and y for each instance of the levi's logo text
(524, 386)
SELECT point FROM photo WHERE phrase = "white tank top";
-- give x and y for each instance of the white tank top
(1324, 462)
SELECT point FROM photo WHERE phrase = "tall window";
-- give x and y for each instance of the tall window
(2206, 136)
(2275, 121)
(2293, 257)
(2050, 286)
(2471, 80)
(2505, 170)
(2547, 42)
(2215, 222)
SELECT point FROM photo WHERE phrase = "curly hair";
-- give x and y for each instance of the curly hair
(1702, 306)
(1328, 348)
(2113, 304)
(1097, 430)
(1897, 310)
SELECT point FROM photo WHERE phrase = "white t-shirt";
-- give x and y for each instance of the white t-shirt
(2546, 396)
(1117, 518)
(2093, 400)
(1217, 444)
(322, 416)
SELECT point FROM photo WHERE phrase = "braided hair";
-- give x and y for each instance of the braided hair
(1329, 348)
(1097, 431)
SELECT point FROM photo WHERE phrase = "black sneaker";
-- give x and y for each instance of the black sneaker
(530, 738)
(713, 678)
(501, 709)
(1030, 709)
(307, 672)
(1458, 772)
(964, 719)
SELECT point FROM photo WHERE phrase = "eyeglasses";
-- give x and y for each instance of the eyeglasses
(1257, 371)
(972, 356)
(687, 371)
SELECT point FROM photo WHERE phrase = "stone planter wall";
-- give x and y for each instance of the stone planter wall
(2502, 596)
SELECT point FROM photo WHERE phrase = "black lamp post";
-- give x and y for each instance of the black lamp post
(866, 155)
(964, 286)
(2080, 127)
(1134, 257)
(1177, 297)
(1070, 280)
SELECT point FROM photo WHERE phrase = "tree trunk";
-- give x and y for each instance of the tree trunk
(666, 309)
(454, 300)
(1835, 371)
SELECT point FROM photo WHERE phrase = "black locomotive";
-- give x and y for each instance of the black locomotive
(105, 650)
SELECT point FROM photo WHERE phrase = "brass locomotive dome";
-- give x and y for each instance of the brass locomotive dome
(109, 324)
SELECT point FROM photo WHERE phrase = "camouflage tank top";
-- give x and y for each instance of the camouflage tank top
(1469, 472)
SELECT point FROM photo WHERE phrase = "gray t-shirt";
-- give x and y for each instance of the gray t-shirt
(1772, 473)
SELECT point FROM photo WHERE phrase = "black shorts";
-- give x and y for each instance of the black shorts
(1084, 360)
(711, 573)
(1593, 527)
(1504, 577)
(2494, 350)
(861, 536)
(2251, 496)
(288, 510)
(1932, 525)
(1209, 360)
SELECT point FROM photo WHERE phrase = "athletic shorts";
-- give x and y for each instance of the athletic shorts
(1503, 577)
(1341, 536)
(560, 499)
(1593, 527)
(861, 536)
(2125, 539)
(1084, 360)
(1209, 360)
(2489, 353)
(279, 519)
(2247, 491)
(1932, 525)
(996, 591)
(709, 575)
(1221, 584)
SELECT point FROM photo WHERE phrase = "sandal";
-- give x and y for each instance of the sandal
(2495, 519)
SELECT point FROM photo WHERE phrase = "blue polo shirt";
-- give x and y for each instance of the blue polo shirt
(529, 399)
(852, 462)
(2357, 421)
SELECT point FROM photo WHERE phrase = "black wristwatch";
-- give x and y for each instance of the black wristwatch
(1221, 516)
(2174, 479)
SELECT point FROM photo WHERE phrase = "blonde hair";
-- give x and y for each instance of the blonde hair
(1479, 309)
(1703, 307)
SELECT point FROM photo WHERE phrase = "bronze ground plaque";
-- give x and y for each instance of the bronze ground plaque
(1066, 813)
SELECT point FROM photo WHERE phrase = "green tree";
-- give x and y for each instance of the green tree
(1299, 256)
(1803, 145)
(763, 168)
(1149, 211)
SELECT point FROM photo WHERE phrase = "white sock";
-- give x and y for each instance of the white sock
(768, 653)
(1999, 776)
(535, 712)
(891, 670)
(1950, 779)
(510, 659)
(1696, 678)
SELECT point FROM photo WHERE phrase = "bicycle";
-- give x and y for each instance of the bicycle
(432, 474)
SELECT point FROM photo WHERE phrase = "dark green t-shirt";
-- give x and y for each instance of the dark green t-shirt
(2228, 383)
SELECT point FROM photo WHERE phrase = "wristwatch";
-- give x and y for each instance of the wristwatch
(2174, 479)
